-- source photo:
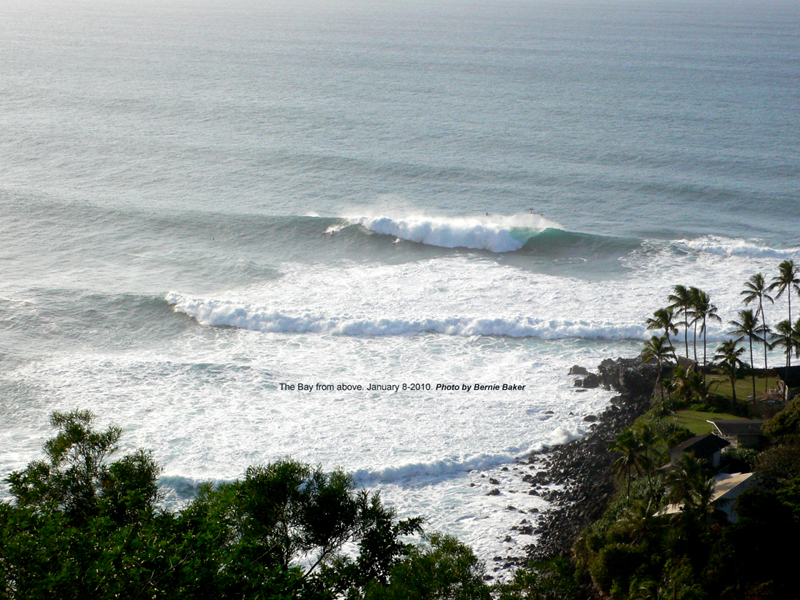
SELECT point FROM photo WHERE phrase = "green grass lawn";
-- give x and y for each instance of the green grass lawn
(695, 421)
(721, 386)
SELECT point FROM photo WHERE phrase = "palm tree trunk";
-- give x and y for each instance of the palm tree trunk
(764, 325)
(752, 369)
(705, 336)
(686, 333)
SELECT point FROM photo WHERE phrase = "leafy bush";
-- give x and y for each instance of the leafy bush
(84, 526)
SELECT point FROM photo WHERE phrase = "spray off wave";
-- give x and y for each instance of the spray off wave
(501, 233)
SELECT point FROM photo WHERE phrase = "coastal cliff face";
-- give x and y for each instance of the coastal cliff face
(583, 467)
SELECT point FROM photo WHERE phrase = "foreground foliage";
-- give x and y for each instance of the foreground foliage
(82, 526)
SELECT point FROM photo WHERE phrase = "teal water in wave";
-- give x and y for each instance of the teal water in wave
(200, 201)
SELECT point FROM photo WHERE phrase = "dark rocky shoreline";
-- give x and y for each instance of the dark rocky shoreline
(582, 467)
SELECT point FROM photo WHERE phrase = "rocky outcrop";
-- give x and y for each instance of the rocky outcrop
(583, 467)
(628, 376)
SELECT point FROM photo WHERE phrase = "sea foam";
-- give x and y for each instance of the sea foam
(727, 247)
(226, 313)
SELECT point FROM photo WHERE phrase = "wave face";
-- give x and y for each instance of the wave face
(493, 233)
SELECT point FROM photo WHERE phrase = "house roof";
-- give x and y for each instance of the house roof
(702, 444)
(727, 486)
(730, 485)
(789, 375)
(737, 427)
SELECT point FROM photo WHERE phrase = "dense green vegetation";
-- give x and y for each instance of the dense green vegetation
(82, 526)
(639, 550)
(634, 552)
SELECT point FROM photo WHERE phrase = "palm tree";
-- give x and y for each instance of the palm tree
(728, 356)
(658, 349)
(663, 318)
(690, 485)
(649, 443)
(788, 337)
(694, 295)
(747, 325)
(628, 447)
(756, 289)
(681, 300)
(678, 383)
(704, 311)
(688, 385)
(786, 281)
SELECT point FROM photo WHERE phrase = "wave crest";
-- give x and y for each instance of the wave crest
(501, 233)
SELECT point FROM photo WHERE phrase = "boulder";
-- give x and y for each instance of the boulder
(591, 381)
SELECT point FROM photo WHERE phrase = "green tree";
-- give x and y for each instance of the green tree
(82, 526)
(629, 448)
(663, 318)
(787, 337)
(286, 514)
(704, 311)
(688, 385)
(689, 485)
(681, 299)
(787, 281)
(660, 350)
(748, 326)
(651, 444)
(756, 289)
(554, 579)
(444, 569)
(77, 479)
(780, 463)
(756, 562)
(727, 355)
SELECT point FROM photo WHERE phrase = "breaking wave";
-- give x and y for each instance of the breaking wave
(499, 233)
(225, 313)
(437, 469)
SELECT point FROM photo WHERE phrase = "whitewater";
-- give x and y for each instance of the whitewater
(244, 232)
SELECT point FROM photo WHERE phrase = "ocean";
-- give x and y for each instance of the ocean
(222, 222)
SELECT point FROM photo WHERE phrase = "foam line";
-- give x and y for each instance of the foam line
(224, 313)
